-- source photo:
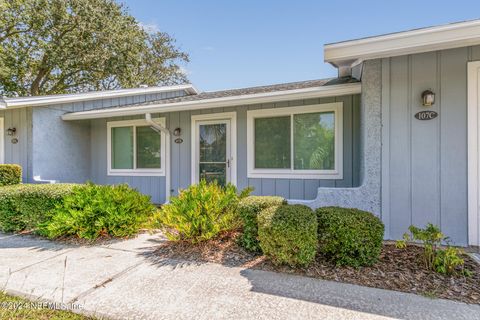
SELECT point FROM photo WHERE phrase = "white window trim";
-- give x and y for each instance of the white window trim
(135, 172)
(337, 173)
(232, 116)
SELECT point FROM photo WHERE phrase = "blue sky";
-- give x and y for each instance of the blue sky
(239, 43)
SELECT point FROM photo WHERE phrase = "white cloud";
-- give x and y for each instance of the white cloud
(185, 71)
(149, 27)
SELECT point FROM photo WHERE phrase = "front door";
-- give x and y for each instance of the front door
(213, 150)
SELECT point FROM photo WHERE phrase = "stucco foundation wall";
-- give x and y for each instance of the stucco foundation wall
(367, 196)
(61, 150)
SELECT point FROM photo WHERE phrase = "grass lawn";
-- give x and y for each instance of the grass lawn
(26, 309)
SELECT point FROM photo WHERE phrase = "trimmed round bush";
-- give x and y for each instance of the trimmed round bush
(25, 206)
(288, 234)
(91, 210)
(349, 237)
(10, 174)
(248, 209)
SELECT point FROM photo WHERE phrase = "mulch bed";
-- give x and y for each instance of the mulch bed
(397, 269)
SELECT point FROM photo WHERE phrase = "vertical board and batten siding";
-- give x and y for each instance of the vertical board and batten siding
(153, 186)
(288, 188)
(19, 153)
(424, 166)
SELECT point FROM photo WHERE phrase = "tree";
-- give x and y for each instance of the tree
(67, 46)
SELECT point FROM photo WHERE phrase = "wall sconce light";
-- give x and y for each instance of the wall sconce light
(11, 131)
(177, 132)
(428, 98)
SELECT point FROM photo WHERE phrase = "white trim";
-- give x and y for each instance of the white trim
(473, 153)
(276, 96)
(68, 98)
(2, 140)
(196, 119)
(443, 37)
(135, 172)
(337, 173)
(168, 148)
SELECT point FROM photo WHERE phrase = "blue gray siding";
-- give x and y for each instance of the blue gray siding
(425, 162)
(52, 148)
(153, 186)
(19, 153)
(181, 154)
(288, 188)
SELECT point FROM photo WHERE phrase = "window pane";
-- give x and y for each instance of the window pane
(213, 172)
(272, 143)
(148, 148)
(314, 141)
(122, 148)
(213, 142)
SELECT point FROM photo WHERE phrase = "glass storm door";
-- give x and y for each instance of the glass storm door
(213, 155)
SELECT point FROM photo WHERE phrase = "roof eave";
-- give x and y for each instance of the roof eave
(305, 93)
(70, 98)
(403, 43)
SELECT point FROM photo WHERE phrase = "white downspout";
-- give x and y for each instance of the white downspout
(148, 118)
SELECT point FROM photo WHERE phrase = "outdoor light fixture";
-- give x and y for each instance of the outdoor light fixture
(11, 131)
(177, 132)
(428, 98)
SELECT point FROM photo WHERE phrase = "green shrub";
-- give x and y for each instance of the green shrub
(10, 174)
(248, 209)
(445, 261)
(201, 212)
(94, 210)
(288, 234)
(349, 236)
(24, 206)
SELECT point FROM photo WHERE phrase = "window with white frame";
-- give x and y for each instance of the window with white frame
(298, 142)
(135, 148)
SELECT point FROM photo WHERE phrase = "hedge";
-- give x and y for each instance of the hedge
(10, 174)
(25, 206)
(288, 234)
(349, 236)
(248, 209)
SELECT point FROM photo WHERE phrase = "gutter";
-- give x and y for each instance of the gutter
(275, 96)
(158, 127)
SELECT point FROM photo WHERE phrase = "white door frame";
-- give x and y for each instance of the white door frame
(473, 153)
(231, 145)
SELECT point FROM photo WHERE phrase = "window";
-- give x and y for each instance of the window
(135, 148)
(299, 142)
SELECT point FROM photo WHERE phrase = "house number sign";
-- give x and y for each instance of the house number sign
(426, 115)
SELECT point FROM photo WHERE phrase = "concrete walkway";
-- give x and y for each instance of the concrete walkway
(123, 281)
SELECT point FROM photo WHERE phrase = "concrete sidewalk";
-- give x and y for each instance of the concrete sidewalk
(123, 281)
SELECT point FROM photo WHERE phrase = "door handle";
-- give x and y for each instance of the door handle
(228, 163)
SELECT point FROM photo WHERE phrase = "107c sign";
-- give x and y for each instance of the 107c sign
(426, 115)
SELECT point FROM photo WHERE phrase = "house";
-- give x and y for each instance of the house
(397, 134)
